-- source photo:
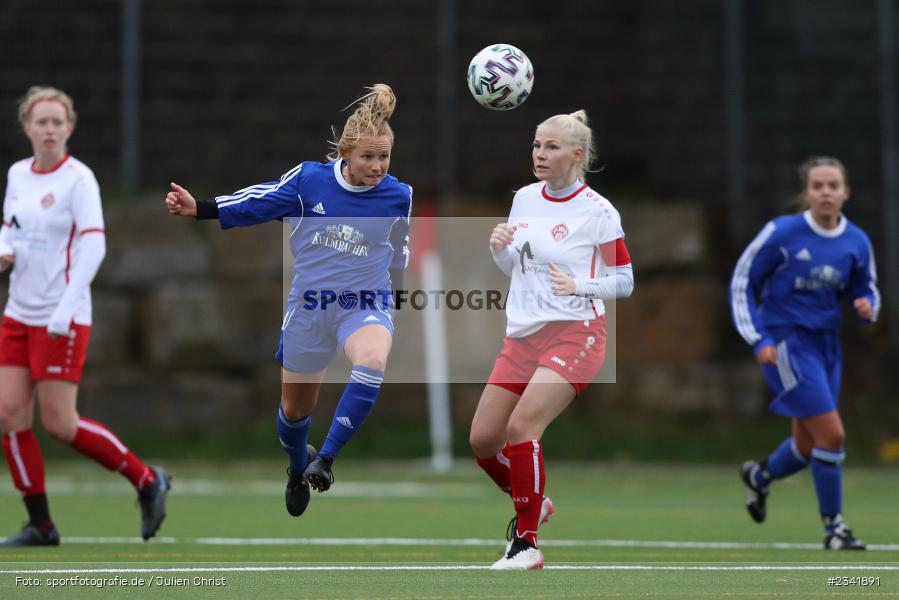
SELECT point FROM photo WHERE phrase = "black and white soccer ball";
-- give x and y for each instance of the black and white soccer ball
(500, 77)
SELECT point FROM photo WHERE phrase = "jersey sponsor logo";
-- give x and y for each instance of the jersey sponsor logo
(559, 361)
(823, 277)
(318, 208)
(48, 201)
(524, 251)
(804, 254)
(343, 238)
(345, 421)
(560, 231)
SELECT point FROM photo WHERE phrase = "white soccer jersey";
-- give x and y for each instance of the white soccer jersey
(45, 215)
(568, 231)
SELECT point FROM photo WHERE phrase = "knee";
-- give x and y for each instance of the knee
(8, 420)
(831, 440)
(58, 427)
(485, 444)
(372, 358)
(836, 440)
(297, 405)
(518, 430)
(13, 418)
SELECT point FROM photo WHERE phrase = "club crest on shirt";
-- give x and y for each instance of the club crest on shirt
(559, 232)
(48, 201)
(343, 238)
(823, 277)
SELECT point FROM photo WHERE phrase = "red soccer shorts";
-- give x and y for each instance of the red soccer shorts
(60, 358)
(573, 349)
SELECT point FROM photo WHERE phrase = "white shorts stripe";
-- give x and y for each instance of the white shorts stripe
(105, 433)
(787, 376)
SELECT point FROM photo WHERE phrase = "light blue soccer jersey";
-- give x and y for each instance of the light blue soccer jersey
(794, 274)
(343, 237)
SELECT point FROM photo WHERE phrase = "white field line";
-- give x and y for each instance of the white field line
(207, 487)
(487, 542)
(843, 568)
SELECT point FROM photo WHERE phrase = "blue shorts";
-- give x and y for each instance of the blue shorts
(311, 337)
(806, 380)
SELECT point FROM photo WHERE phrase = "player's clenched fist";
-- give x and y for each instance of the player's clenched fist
(502, 236)
(180, 202)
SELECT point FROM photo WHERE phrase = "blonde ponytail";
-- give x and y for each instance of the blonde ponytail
(369, 119)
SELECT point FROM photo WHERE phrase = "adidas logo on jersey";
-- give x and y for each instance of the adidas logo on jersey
(804, 254)
(345, 421)
(318, 208)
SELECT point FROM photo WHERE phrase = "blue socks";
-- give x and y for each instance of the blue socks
(293, 435)
(827, 472)
(784, 461)
(354, 407)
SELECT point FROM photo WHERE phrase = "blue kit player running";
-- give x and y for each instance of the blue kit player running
(785, 299)
(349, 224)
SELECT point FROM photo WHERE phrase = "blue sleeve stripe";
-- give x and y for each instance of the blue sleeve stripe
(257, 191)
(739, 287)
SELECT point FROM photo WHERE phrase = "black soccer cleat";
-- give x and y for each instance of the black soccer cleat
(32, 535)
(756, 498)
(841, 538)
(152, 502)
(296, 494)
(318, 473)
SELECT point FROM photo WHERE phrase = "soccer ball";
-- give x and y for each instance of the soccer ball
(500, 77)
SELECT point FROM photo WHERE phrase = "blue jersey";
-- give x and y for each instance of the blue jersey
(342, 237)
(794, 274)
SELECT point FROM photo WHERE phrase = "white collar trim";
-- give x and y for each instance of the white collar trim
(338, 175)
(828, 233)
(565, 191)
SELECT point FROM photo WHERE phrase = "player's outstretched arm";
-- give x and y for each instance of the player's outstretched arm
(180, 202)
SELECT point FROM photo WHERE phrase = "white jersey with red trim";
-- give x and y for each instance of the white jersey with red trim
(566, 229)
(45, 215)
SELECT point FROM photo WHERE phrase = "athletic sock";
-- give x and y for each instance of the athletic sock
(527, 476)
(827, 473)
(294, 435)
(26, 464)
(497, 467)
(95, 441)
(354, 407)
(783, 462)
(38, 511)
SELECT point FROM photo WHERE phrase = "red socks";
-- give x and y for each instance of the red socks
(527, 476)
(497, 467)
(97, 442)
(26, 464)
